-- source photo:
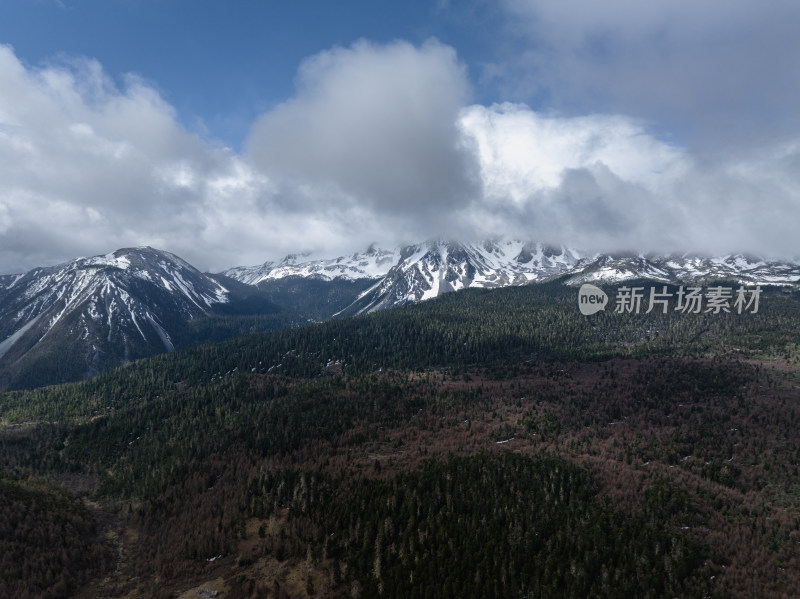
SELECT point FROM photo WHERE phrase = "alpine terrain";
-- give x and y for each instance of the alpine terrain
(90, 314)
(419, 272)
(77, 319)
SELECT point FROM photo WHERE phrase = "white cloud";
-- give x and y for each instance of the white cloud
(82, 162)
(376, 145)
(367, 143)
(604, 182)
(374, 122)
(522, 151)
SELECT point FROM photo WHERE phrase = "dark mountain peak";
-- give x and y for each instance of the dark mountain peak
(103, 310)
(294, 258)
(550, 251)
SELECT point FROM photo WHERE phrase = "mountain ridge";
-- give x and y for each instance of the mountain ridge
(88, 315)
(426, 270)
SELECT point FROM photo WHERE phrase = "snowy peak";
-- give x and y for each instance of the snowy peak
(687, 268)
(370, 264)
(118, 274)
(249, 275)
(294, 259)
(124, 305)
(435, 267)
(425, 270)
(170, 272)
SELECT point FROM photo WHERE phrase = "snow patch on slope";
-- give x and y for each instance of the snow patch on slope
(9, 342)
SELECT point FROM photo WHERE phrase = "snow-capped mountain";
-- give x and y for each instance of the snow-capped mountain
(429, 269)
(371, 264)
(102, 311)
(91, 314)
(418, 272)
(687, 268)
(435, 267)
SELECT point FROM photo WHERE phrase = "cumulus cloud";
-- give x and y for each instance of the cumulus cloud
(604, 182)
(374, 123)
(377, 144)
(85, 165)
(595, 182)
(521, 151)
(368, 143)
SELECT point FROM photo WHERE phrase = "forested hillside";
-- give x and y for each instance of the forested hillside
(495, 329)
(484, 444)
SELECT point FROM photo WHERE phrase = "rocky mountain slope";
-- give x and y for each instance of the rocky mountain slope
(418, 272)
(93, 313)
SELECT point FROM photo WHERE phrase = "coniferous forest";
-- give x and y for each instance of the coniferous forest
(483, 444)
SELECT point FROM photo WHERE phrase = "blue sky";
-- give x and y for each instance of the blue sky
(222, 63)
(235, 132)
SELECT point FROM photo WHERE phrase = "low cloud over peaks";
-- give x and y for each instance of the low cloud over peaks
(603, 182)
